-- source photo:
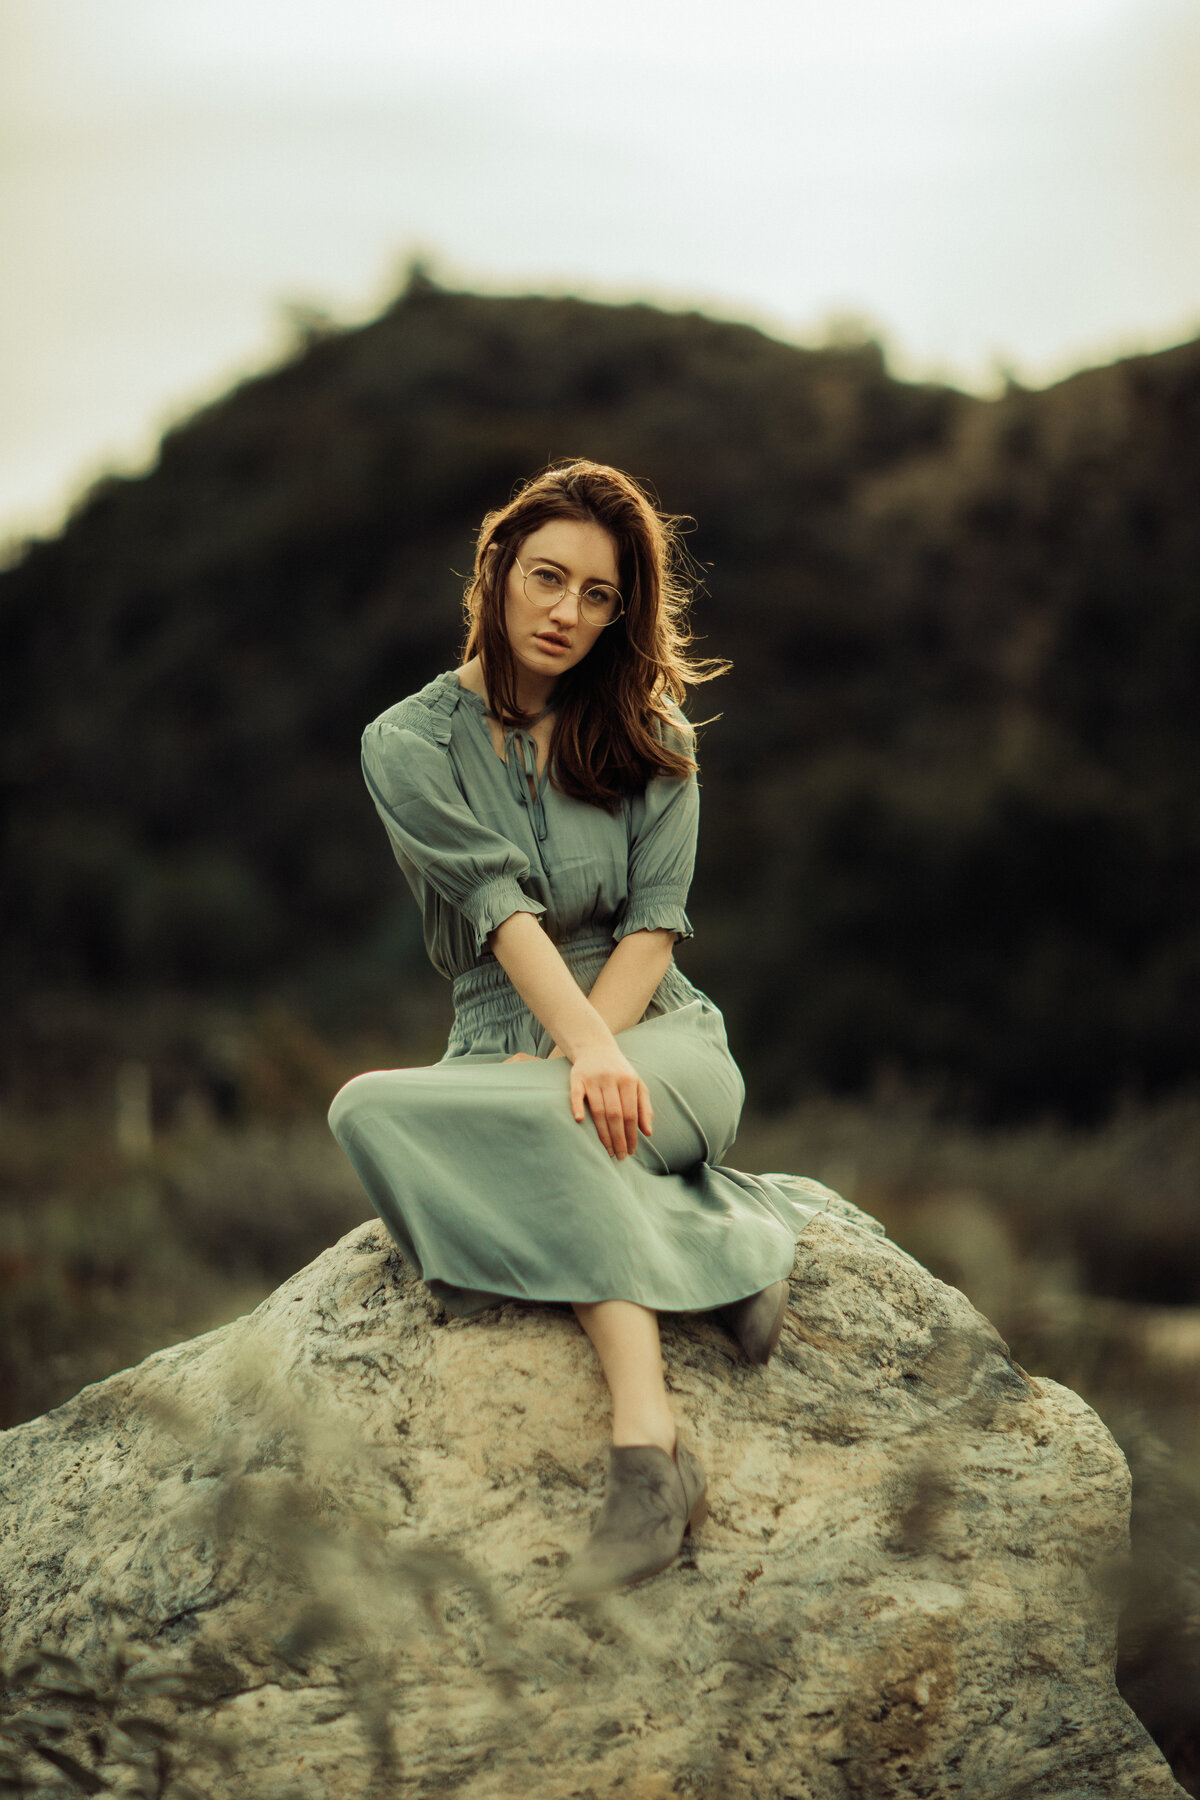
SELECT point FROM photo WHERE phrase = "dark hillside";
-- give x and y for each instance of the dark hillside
(951, 827)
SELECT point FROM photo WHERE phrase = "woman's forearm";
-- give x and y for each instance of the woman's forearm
(603, 1082)
(619, 996)
(626, 984)
(546, 985)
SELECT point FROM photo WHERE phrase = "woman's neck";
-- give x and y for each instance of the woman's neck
(533, 692)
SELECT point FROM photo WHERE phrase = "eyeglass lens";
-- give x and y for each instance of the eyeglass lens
(599, 604)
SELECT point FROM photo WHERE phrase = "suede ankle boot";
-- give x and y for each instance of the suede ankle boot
(756, 1322)
(651, 1499)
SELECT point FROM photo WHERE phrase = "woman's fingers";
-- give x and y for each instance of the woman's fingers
(617, 1099)
(616, 1109)
(614, 1106)
(600, 1121)
(613, 1114)
(637, 1112)
(606, 1117)
(630, 1098)
(591, 1095)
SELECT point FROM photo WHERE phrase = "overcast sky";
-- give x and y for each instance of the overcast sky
(988, 183)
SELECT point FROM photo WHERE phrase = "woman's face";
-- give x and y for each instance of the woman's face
(547, 640)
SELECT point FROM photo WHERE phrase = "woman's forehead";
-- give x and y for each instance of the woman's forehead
(580, 546)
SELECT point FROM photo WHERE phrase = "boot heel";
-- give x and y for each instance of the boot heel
(691, 1477)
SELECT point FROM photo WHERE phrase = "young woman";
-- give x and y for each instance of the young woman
(541, 800)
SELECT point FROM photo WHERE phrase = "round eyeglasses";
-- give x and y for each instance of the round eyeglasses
(599, 604)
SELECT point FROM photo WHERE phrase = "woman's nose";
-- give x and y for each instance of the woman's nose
(567, 607)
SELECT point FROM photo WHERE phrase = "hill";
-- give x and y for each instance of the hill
(951, 828)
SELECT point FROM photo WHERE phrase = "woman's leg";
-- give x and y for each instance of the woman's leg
(625, 1337)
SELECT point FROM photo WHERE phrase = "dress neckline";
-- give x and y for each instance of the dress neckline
(527, 782)
(481, 703)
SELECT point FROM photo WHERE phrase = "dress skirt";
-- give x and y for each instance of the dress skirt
(493, 1191)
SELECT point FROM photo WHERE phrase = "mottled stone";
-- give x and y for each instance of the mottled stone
(347, 1517)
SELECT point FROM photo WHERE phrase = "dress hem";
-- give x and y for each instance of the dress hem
(464, 1303)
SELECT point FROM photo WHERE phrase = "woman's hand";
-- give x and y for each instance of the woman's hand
(612, 1091)
(608, 1085)
(603, 1082)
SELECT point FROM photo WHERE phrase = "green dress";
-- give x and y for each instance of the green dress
(487, 1183)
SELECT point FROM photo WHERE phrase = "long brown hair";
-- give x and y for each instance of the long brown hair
(605, 743)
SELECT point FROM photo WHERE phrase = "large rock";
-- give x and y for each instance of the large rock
(346, 1518)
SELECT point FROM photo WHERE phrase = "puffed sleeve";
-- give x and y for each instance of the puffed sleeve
(435, 835)
(662, 854)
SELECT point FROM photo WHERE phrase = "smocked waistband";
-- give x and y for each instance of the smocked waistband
(486, 990)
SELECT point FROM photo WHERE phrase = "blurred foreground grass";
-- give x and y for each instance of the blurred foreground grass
(128, 1223)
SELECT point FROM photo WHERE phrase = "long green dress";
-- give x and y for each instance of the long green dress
(487, 1183)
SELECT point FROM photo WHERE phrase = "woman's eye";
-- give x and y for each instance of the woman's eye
(547, 578)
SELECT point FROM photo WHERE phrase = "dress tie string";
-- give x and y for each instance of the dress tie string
(523, 773)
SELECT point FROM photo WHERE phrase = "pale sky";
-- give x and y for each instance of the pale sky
(987, 183)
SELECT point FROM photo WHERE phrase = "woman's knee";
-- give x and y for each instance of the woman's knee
(360, 1099)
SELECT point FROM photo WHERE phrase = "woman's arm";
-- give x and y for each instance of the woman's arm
(604, 1079)
(626, 984)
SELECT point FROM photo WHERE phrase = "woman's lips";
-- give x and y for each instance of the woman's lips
(556, 646)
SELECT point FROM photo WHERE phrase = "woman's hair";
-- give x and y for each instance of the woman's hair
(612, 729)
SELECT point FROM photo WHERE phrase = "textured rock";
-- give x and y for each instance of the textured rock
(346, 1517)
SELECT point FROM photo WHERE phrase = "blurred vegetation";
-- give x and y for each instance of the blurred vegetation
(336, 1600)
(953, 779)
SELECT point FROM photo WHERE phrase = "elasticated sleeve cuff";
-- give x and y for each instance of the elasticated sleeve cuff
(656, 909)
(494, 902)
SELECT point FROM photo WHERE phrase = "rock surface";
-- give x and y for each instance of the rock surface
(346, 1518)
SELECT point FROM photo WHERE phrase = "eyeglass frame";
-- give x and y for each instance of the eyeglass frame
(545, 605)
